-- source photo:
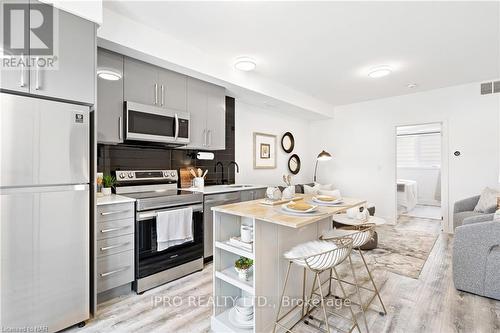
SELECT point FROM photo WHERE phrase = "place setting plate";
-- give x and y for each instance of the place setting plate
(300, 209)
(326, 200)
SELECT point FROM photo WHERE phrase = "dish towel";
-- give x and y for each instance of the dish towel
(174, 227)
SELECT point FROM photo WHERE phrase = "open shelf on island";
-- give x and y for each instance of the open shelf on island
(225, 245)
(221, 323)
(231, 276)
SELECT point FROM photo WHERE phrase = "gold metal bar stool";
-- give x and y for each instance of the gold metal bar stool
(318, 257)
(360, 235)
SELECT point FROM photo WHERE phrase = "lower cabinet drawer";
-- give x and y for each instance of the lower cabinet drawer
(115, 211)
(114, 245)
(115, 270)
(114, 228)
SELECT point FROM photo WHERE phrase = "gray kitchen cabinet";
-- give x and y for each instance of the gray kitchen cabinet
(206, 105)
(109, 99)
(216, 117)
(141, 82)
(115, 245)
(74, 77)
(172, 90)
(197, 106)
(15, 76)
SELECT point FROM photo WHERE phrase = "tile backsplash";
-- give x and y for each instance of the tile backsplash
(133, 157)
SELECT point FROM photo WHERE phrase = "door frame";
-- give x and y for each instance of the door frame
(446, 222)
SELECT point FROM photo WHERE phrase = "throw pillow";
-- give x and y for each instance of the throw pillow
(327, 187)
(311, 189)
(487, 201)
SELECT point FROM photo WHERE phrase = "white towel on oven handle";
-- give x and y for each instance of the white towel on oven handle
(174, 227)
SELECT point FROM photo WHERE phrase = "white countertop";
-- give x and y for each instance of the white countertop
(113, 199)
(214, 189)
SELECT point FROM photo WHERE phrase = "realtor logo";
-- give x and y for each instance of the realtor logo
(28, 29)
(29, 32)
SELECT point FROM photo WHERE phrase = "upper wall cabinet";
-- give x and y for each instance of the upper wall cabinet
(148, 84)
(206, 105)
(110, 99)
(73, 76)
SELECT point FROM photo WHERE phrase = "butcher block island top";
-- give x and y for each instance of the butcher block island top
(274, 214)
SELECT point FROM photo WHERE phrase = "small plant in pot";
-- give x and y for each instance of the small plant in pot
(108, 182)
(244, 267)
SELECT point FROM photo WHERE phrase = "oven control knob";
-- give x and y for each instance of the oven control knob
(172, 174)
(165, 173)
(130, 175)
(121, 175)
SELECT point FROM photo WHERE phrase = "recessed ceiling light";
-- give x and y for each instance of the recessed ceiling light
(380, 71)
(109, 74)
(411, 85)
(245, 64)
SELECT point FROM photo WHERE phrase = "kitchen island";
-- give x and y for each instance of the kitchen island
(275, 232)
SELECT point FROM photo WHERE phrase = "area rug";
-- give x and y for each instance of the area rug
(401, 251)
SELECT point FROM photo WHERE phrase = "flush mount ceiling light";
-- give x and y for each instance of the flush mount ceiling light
(411, 85)
(379, 71)
(245, 64)
(108, 74)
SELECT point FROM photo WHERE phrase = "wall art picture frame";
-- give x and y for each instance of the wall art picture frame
(264, 151)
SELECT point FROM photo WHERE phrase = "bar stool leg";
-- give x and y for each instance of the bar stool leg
(310, 296)
(282, 295)
(373, 282)
(323, 305)
(358, 292)
(344, 294)
(330, 283)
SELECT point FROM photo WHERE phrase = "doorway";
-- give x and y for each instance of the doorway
(419, 172)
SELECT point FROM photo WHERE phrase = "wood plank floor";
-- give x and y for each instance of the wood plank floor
(427, 304)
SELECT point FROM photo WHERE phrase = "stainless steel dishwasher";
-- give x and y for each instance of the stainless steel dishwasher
(210, 201)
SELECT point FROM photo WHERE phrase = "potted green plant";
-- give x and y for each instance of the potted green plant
(108, 182)
(243, 266)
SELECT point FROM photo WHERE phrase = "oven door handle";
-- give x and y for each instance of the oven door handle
(147, 215)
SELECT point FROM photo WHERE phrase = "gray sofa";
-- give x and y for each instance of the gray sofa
(476, 250)
(463, 212)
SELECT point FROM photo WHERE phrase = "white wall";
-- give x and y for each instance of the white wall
(361, 138)
(88, 9)
(250, 119)
(428, 183)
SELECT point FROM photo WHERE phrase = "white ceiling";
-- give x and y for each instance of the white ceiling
(323, 49)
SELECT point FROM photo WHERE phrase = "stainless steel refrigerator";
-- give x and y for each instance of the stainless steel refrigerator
(44, 213)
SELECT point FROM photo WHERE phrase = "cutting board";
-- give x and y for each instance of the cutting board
(269, 202)
(185, 177)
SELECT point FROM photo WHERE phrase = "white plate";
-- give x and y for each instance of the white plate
(236, 322)
(310, 210)
(329, 203)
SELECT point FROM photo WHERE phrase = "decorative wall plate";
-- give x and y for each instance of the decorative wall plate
(294, 164)
(287, 142)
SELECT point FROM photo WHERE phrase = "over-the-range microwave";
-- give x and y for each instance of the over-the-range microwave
(154, 124)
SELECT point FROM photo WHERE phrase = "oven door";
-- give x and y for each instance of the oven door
(150, 261)
(149, 123)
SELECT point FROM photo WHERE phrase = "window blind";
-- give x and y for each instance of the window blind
(419, 151)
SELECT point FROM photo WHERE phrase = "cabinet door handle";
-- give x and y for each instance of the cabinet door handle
(22, 83)
(106, 248)
(209, 134)
(156, 93)
(114, 212)
(37, 74)
(104, 231)
(120, 128)
(204, 138)
(162, 95)
(115, 271)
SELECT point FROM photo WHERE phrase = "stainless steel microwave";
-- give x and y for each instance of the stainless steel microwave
(154, 124)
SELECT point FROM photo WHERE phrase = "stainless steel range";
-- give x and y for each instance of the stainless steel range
(156, 191)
